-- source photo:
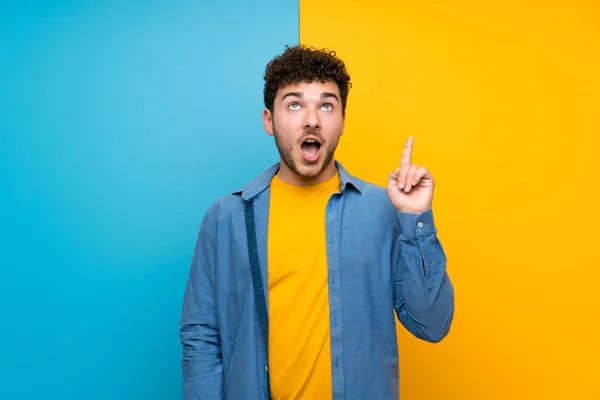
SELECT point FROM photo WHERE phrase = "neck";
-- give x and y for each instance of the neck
(290, 177)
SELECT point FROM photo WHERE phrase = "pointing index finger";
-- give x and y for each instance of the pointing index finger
(407, 154)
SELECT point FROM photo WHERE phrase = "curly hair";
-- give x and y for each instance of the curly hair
(305, 64)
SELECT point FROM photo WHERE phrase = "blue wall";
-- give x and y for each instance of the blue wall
(120, 122)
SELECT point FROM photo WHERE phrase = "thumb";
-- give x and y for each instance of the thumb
(393, 177)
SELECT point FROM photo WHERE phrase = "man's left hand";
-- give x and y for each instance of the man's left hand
(410, 187)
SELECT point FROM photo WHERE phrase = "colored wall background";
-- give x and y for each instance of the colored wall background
(120, 122)
(503, 100)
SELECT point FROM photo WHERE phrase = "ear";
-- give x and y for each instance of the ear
(343, 124)
(268, 121)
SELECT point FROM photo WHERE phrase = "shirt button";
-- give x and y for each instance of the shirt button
(420, 224)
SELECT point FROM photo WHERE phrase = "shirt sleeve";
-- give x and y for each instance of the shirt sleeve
(423, 292)
(202, 359)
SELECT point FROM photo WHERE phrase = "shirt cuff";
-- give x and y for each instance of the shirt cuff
(417, 225)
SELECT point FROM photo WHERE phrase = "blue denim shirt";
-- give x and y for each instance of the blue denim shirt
(382, 264)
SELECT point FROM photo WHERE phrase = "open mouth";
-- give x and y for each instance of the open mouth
(311, 149)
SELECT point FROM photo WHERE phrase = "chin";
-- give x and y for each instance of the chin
(311, 170)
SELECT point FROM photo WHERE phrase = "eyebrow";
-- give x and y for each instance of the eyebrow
(327, 94)
(292, 94)
(324, 95)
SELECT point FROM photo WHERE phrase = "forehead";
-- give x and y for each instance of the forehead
(310, 89)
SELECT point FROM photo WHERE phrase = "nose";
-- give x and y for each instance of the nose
(312, 118)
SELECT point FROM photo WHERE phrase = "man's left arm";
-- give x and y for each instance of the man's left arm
(423, 293)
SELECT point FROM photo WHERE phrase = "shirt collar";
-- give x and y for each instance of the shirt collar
(263, 181)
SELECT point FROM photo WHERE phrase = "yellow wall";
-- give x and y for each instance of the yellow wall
(504, 104)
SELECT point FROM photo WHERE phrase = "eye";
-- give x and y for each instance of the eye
(327, 107)
(294, 106)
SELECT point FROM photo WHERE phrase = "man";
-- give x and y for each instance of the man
(297, 278)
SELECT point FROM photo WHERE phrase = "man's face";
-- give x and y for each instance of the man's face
(307, 124)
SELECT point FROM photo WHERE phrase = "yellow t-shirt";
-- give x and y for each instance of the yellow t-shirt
(299, 349)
